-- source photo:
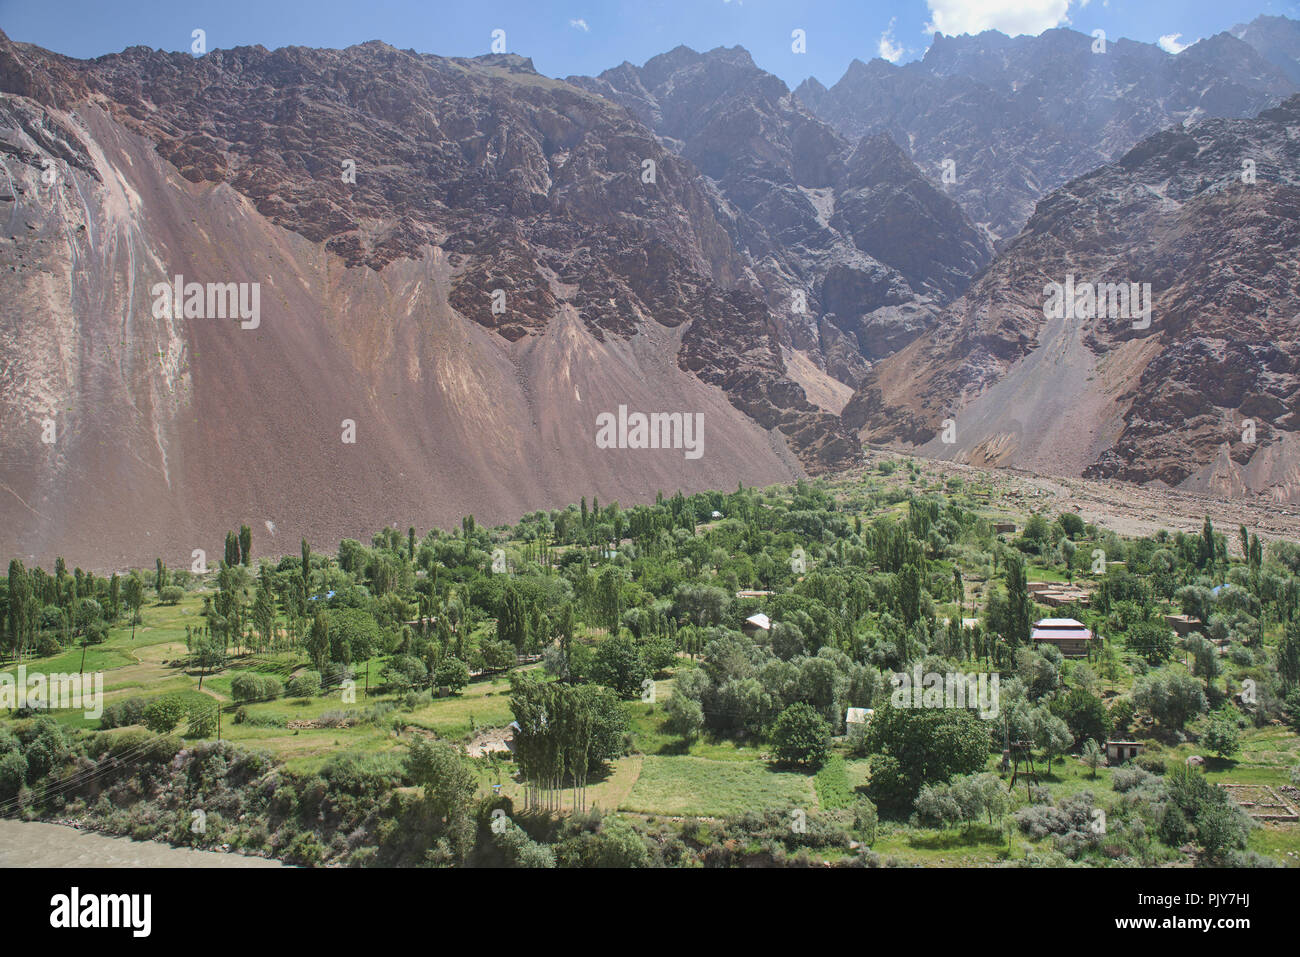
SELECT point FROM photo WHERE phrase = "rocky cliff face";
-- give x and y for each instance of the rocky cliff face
(1277, 40)
(853, 239)
(1206, 396)
(500, 269)
(1018, 116)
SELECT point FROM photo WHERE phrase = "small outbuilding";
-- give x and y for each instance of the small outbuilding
(1117, 752)
(756, 623)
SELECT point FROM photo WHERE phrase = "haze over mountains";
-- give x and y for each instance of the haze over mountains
(1019, 116)
(781, 251)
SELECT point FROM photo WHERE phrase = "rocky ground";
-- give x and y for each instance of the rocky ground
(1125, 509)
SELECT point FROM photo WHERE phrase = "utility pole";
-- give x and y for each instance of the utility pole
(218, 721)
(85, 639)
(367, 679)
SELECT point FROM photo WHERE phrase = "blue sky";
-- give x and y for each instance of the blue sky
(587, 36)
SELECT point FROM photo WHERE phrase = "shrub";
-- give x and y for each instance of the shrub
(123, 713)
(13, 774)
(337, 719)
(1151, 763)
(305, 685)
(865, 820)
(254, 687)
(202, 720)
(171, 595)
(162, 715)
(1222, 738)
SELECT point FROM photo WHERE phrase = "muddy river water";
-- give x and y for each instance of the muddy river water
(36, 844)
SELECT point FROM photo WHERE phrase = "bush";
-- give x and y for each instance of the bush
(254, 687)
(13, 774)
(162, 715)
(1222, 738)
(865, 820)
(123, 713)
(801, 736)
(305, 685)
(1151, 763)
(202, 720)
(171, 595)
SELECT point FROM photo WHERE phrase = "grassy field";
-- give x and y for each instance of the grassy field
(701, 787)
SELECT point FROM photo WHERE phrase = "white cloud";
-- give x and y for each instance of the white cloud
(1169, 43)
(580, 24)
(889, 48)
(1010, 16)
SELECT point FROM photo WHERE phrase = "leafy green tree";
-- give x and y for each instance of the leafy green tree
(245, 544)
(619, 665)
(1052, 734)
(912, 747)
(1288, 656)
(1084, 714)
(264, 610)
(354, 635)
(512, 618)
(1153, 640)
(133, 593)
(318, 641)
(1222, 738)
(1091, 754)
(23, 607)
(451, 673)
(1019, 606)
(13, 774)
(444, 774)
(801, 736)
(684, 717)
(1170, 697)
(207, 652)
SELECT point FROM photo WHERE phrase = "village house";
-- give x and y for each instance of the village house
(855, 721)
(1069, 636)
(1060, 597)
(756, 623)
(1117, 752)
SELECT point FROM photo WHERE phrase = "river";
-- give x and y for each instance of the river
(36, 844)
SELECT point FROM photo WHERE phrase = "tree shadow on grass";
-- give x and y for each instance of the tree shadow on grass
(970, 836)
(1219, 764)
(674, 747)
